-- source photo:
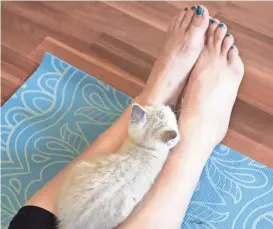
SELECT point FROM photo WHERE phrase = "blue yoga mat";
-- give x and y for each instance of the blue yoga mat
(60, 110)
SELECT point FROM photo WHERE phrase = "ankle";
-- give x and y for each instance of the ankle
(144, 99)
(191, 149)
(147, 98)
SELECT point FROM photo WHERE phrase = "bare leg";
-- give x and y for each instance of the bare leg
(185, 42)
(209, 98)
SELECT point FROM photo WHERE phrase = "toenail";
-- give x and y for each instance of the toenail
(221, 25)
(186, 9)
(212, 21)
(193, 7)
(228, 35)
(199, 11)
(233, 47)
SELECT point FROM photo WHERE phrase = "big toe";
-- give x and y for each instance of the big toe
(200, 20)
(198, 27)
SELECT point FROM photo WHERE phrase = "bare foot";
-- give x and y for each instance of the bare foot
(212, 88)
(186, 36)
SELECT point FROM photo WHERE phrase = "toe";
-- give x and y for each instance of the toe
(233, 54)
(219, 35)
(198, 27)
(188, 17)
(200, 18)
(236, 63)
(227, 43)
(171, 25)
(211, 31)
(179, 19)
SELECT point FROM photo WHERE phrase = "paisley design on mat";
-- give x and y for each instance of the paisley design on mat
(229, 173)
(51, 120)
(255, 215)
(229, 183)
(100, 109)
(60, 110)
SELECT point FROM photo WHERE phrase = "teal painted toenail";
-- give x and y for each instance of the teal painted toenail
(228, 35)
(186, 9)
(199, 11)
(233, 47)
(221, 25)
(212, 21)
(193, 7)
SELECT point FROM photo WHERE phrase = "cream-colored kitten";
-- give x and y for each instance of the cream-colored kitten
(100, 193)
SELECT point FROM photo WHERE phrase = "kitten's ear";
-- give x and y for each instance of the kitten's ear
(138, 114)
(168, 135)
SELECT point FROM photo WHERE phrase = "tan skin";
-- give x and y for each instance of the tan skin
(162, 208)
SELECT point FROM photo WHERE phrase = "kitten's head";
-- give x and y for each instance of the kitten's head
(153, 126)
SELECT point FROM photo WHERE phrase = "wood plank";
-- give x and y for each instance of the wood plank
(258, 13)
(15, 29)
(15, 70)
(31, 22)
(117, 24)
(91, 64)
(252, 123)
(249, 147)
(124, 56)
(156, 15)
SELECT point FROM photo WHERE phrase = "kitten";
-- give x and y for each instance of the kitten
(100, 193)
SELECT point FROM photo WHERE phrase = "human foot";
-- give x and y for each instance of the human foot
(212, 88)
(186, 36)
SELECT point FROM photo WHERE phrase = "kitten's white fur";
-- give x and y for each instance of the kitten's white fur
(100, 193)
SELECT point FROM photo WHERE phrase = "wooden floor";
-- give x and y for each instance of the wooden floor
(118, 42)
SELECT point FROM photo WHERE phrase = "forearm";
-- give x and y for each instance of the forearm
(166, 203)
